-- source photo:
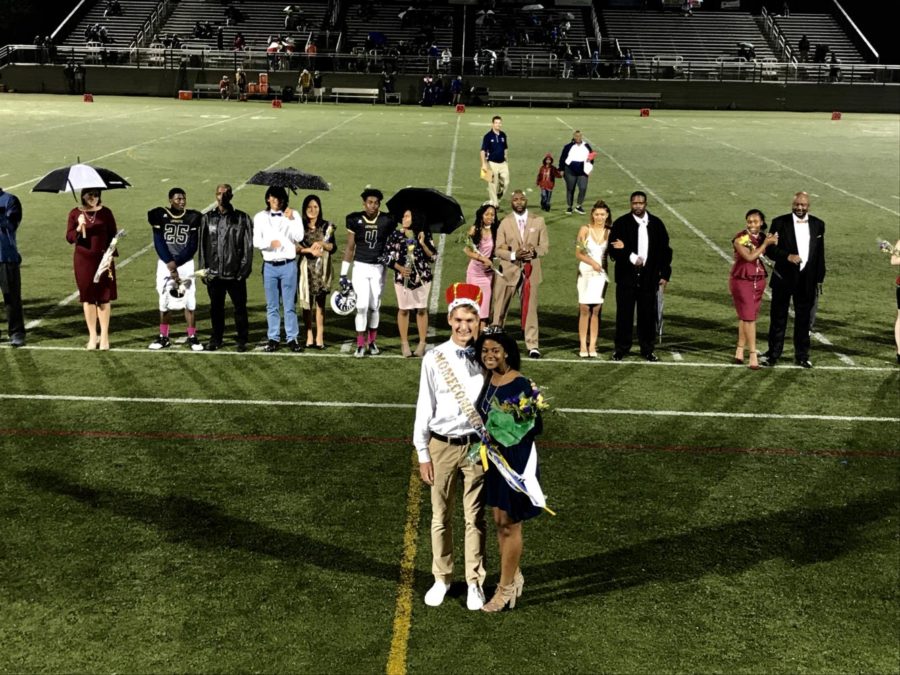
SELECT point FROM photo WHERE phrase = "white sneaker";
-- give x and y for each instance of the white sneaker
(435, 595)
(475, 599)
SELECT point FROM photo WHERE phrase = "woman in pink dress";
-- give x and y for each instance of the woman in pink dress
(481, 254)
(748, 281)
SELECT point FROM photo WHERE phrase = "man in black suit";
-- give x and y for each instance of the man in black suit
(640, 247)
(799, 256)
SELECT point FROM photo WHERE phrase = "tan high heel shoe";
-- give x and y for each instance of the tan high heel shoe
(504, 596)
(405, 350)
(420, 350)
(519, 583)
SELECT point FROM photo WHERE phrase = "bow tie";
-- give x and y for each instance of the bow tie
(276, 213)
(467, 353)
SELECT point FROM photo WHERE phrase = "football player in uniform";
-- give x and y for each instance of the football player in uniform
(175, 230)
(367, 232)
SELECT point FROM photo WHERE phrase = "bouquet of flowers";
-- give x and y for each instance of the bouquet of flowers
(511, 419)
(746, 242)
(886, 247)
(581, 246)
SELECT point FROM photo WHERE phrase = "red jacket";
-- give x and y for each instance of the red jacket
(547, 175)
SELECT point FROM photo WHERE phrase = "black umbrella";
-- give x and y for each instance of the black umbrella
(78, 177)
(442, 212)
(289, 178)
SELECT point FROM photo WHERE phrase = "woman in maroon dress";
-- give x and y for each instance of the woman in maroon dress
(748, 281)
(91, 227)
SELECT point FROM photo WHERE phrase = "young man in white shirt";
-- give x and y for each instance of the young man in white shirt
(442, 436)
(276, 231)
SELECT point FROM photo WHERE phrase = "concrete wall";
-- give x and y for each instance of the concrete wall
(801, 97)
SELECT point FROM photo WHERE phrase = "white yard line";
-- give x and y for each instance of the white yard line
(780, 165)
(69, 298)
(442, 240)
(340, 351)
(709, 242)
(355, 405)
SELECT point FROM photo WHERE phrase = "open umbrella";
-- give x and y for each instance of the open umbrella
(78, 177)
(289, 178)
(442, 213)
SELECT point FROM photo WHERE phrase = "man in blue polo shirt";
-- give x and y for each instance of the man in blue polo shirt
(494, 167)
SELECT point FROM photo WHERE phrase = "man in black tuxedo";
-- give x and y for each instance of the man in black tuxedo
(640, 247)
(799, 256)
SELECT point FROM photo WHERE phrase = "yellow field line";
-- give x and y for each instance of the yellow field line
(396, 664)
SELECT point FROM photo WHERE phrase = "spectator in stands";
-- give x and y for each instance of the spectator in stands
(238, 44)
(198, 31)
(628, 68)
(803, 48)
(834, 69)
(820, 54)
(311, 51)
(220, 38)
(113, 8)
(595, 64)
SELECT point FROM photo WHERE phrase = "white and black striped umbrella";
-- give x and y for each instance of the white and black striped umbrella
(78, 177)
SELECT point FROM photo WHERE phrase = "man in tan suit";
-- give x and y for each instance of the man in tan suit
(521, 243)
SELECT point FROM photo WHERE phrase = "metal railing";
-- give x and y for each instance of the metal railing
(152, 24)
(544, 64)
(776, 37)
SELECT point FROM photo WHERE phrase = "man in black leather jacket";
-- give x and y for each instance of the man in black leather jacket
(226, 251)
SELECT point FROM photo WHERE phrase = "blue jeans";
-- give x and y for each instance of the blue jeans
(546, 196)
(280, 283)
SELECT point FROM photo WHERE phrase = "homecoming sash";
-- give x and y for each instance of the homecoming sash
(527, 484)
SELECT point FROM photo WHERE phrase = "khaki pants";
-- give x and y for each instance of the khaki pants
(499, 181)
(449, 461)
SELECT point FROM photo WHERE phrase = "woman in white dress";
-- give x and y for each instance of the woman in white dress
(590, 250)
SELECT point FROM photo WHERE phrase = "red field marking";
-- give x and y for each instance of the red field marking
(380, 440)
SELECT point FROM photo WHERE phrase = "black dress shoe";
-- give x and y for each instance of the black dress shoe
(271, 346)
(212, 346)
(618, 356)
(651, 357)
(294, 346)
(534, 354)
(242, 347)
(768, 362)
(804, 363)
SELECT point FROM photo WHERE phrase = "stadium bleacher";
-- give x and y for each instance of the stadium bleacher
(819, 29)
(120, 29)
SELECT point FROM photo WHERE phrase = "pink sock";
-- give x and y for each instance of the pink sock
(164, 329)
(360, 340)
(191, 331)
(373, 333)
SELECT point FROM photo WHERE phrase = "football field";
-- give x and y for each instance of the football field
(223, 511)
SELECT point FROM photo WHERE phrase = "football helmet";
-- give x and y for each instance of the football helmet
(343, 301)
(175, 293)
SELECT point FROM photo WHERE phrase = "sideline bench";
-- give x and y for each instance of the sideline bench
(274, 91)
(531, 97)
(354, 93)
(640, 99)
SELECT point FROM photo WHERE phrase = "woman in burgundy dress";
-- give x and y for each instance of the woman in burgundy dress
(91, 227)
(748, 281)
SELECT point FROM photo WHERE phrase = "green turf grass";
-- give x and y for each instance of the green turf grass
(142, 534)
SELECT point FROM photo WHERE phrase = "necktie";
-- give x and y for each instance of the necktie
(468, 353)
